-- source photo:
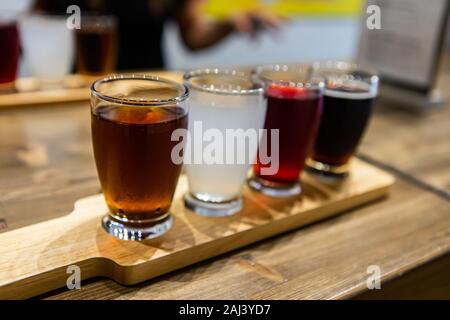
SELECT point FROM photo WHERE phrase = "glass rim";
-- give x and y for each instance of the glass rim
(43, 14)
(314, 81)
(241, 74)
(141, 102)
(59, 14)
(343, 71)
(344, 66)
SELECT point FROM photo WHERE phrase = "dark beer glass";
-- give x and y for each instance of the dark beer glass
(348, 100)
(96, 45)
(133, 118)
(294, 107)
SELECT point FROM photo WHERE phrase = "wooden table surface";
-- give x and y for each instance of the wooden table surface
(46, 164)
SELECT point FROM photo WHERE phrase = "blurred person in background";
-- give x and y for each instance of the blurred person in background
(141, 24)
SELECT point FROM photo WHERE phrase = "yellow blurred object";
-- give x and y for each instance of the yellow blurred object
(290, 8)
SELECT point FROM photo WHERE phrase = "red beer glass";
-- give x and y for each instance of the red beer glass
(294, 98)
(9, 51)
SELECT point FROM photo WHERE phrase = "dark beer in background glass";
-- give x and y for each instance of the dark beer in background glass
(96, 45)
(343, 120)
(294, 107)
(9, 52)
(132, 123)
(348, 101)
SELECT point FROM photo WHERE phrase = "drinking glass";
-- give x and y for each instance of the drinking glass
(96, 43)
(133, 118)
(227, 111)
(9, 50)
(48, 46)
(348, 100)
(294, 108)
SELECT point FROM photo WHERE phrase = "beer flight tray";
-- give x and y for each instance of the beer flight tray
(35, 259)
(73, 88)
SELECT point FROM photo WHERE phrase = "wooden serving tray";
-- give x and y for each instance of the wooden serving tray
(73, 88)
(34, 259)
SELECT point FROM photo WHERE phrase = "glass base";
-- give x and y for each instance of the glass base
(212, 209)
(8, 87)
(274, 189)
(136, 233)
(327, 172)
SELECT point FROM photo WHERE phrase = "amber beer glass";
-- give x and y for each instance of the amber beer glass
(133, 118)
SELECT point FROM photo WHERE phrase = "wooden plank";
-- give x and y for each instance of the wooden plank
(33, 259)
(72, 88)
(327, 260)
(417, 144)
(432, 281)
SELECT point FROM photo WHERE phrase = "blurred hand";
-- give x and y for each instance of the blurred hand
(199, 31)
(253, 21)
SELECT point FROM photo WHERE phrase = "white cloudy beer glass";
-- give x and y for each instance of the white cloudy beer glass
(227, 113)
(48, 46)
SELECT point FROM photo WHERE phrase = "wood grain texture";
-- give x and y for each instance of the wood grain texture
(418, 144)
(30, 91)
(327, 260)
(432, 281)
(33, 259)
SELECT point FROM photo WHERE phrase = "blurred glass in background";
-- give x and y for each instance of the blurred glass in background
(48, 46)
(9, 49)
(96, 43)
(169, 33)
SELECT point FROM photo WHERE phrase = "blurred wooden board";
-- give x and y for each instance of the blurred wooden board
(419, 142)
(32, 91)
(34, 259)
